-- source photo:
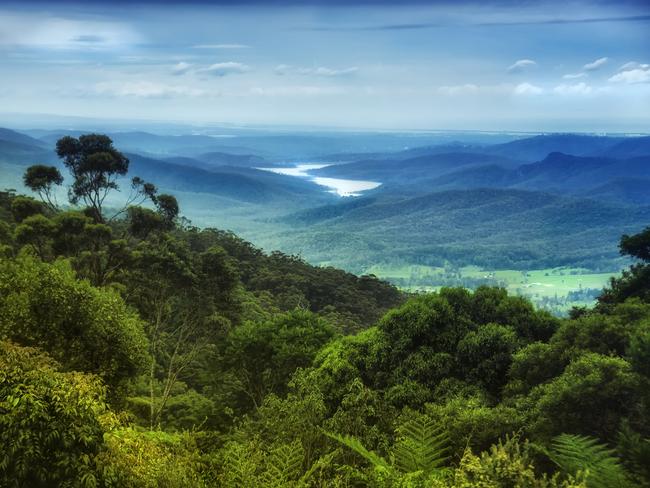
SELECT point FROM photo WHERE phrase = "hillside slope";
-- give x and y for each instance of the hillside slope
(490, 227)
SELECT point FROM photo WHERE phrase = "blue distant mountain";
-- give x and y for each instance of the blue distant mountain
(548, 200)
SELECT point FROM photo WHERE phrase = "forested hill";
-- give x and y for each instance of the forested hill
(497, 227)
(139, 351)
(281, 282)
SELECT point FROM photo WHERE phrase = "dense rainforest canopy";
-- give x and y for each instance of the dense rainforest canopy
(137, 350)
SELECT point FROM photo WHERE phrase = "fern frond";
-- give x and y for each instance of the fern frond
(574, 453)
(635, 450)
(423, 446)
(376, 460)
(320, 464)
(284, 464)
(239, 468)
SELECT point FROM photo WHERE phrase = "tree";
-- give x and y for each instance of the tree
(143, 221)
(262, 356)
(634, 282)
(637, 245)
(591, 397)
(36, 231)
(167, 208)
(23, 207)
(485, 354)
(94, 165)
(83, 327)
(186, 298)
(41, 179)
(50, 421)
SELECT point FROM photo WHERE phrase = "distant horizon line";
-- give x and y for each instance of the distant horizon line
(284, 127)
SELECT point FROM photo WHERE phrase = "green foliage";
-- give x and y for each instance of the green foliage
(83, 327)
(472, 421)
(240, 464)
(50, 421)
(251, 465)
(36, 231)
(505, 464)
(373, 458)
(41, 179)
(590, 397)
(23, 207)
(284, 466)
(294, 283)
(264, 355)
(581, 454)
(94, 165)
(422, 445)
(533, 365)
(638, 350)
(453, 333)
(634, 451)
(637, 245)
(167, 206)
(484, 355)
(253, 354)
(634, 282)
(143, 222)
(150, 460)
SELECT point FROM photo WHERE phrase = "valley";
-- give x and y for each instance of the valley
(325, 244)
(537, 214)
(554, 289)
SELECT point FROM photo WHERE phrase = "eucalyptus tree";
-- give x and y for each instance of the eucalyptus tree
(42, 179)
(95, 166)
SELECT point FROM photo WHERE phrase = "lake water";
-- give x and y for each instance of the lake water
(338, 186)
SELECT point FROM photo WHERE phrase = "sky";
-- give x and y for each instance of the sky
(490, 65)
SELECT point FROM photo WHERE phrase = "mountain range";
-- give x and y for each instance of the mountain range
(538, 201)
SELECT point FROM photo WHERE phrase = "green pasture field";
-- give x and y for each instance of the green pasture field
(548, 288)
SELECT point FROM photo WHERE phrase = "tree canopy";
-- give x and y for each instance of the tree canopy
(141, 351)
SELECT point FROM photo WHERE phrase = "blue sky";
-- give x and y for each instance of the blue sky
(504, 65)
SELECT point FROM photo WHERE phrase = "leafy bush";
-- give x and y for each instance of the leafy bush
(50, 421)
(84, 328)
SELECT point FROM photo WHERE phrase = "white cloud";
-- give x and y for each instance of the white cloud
(465, 89)
(574, 76)
(299, 90)
(284, 69)
(632, 76)
(224, 69)
(323, 71)
(521, 65)
(633, 65)
(221, 46)
(181, 68)
(527, 89)
(144, 89)
(573, 89)
(45, 31)
(595, 64)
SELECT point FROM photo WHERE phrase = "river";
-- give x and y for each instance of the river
(338, 186)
